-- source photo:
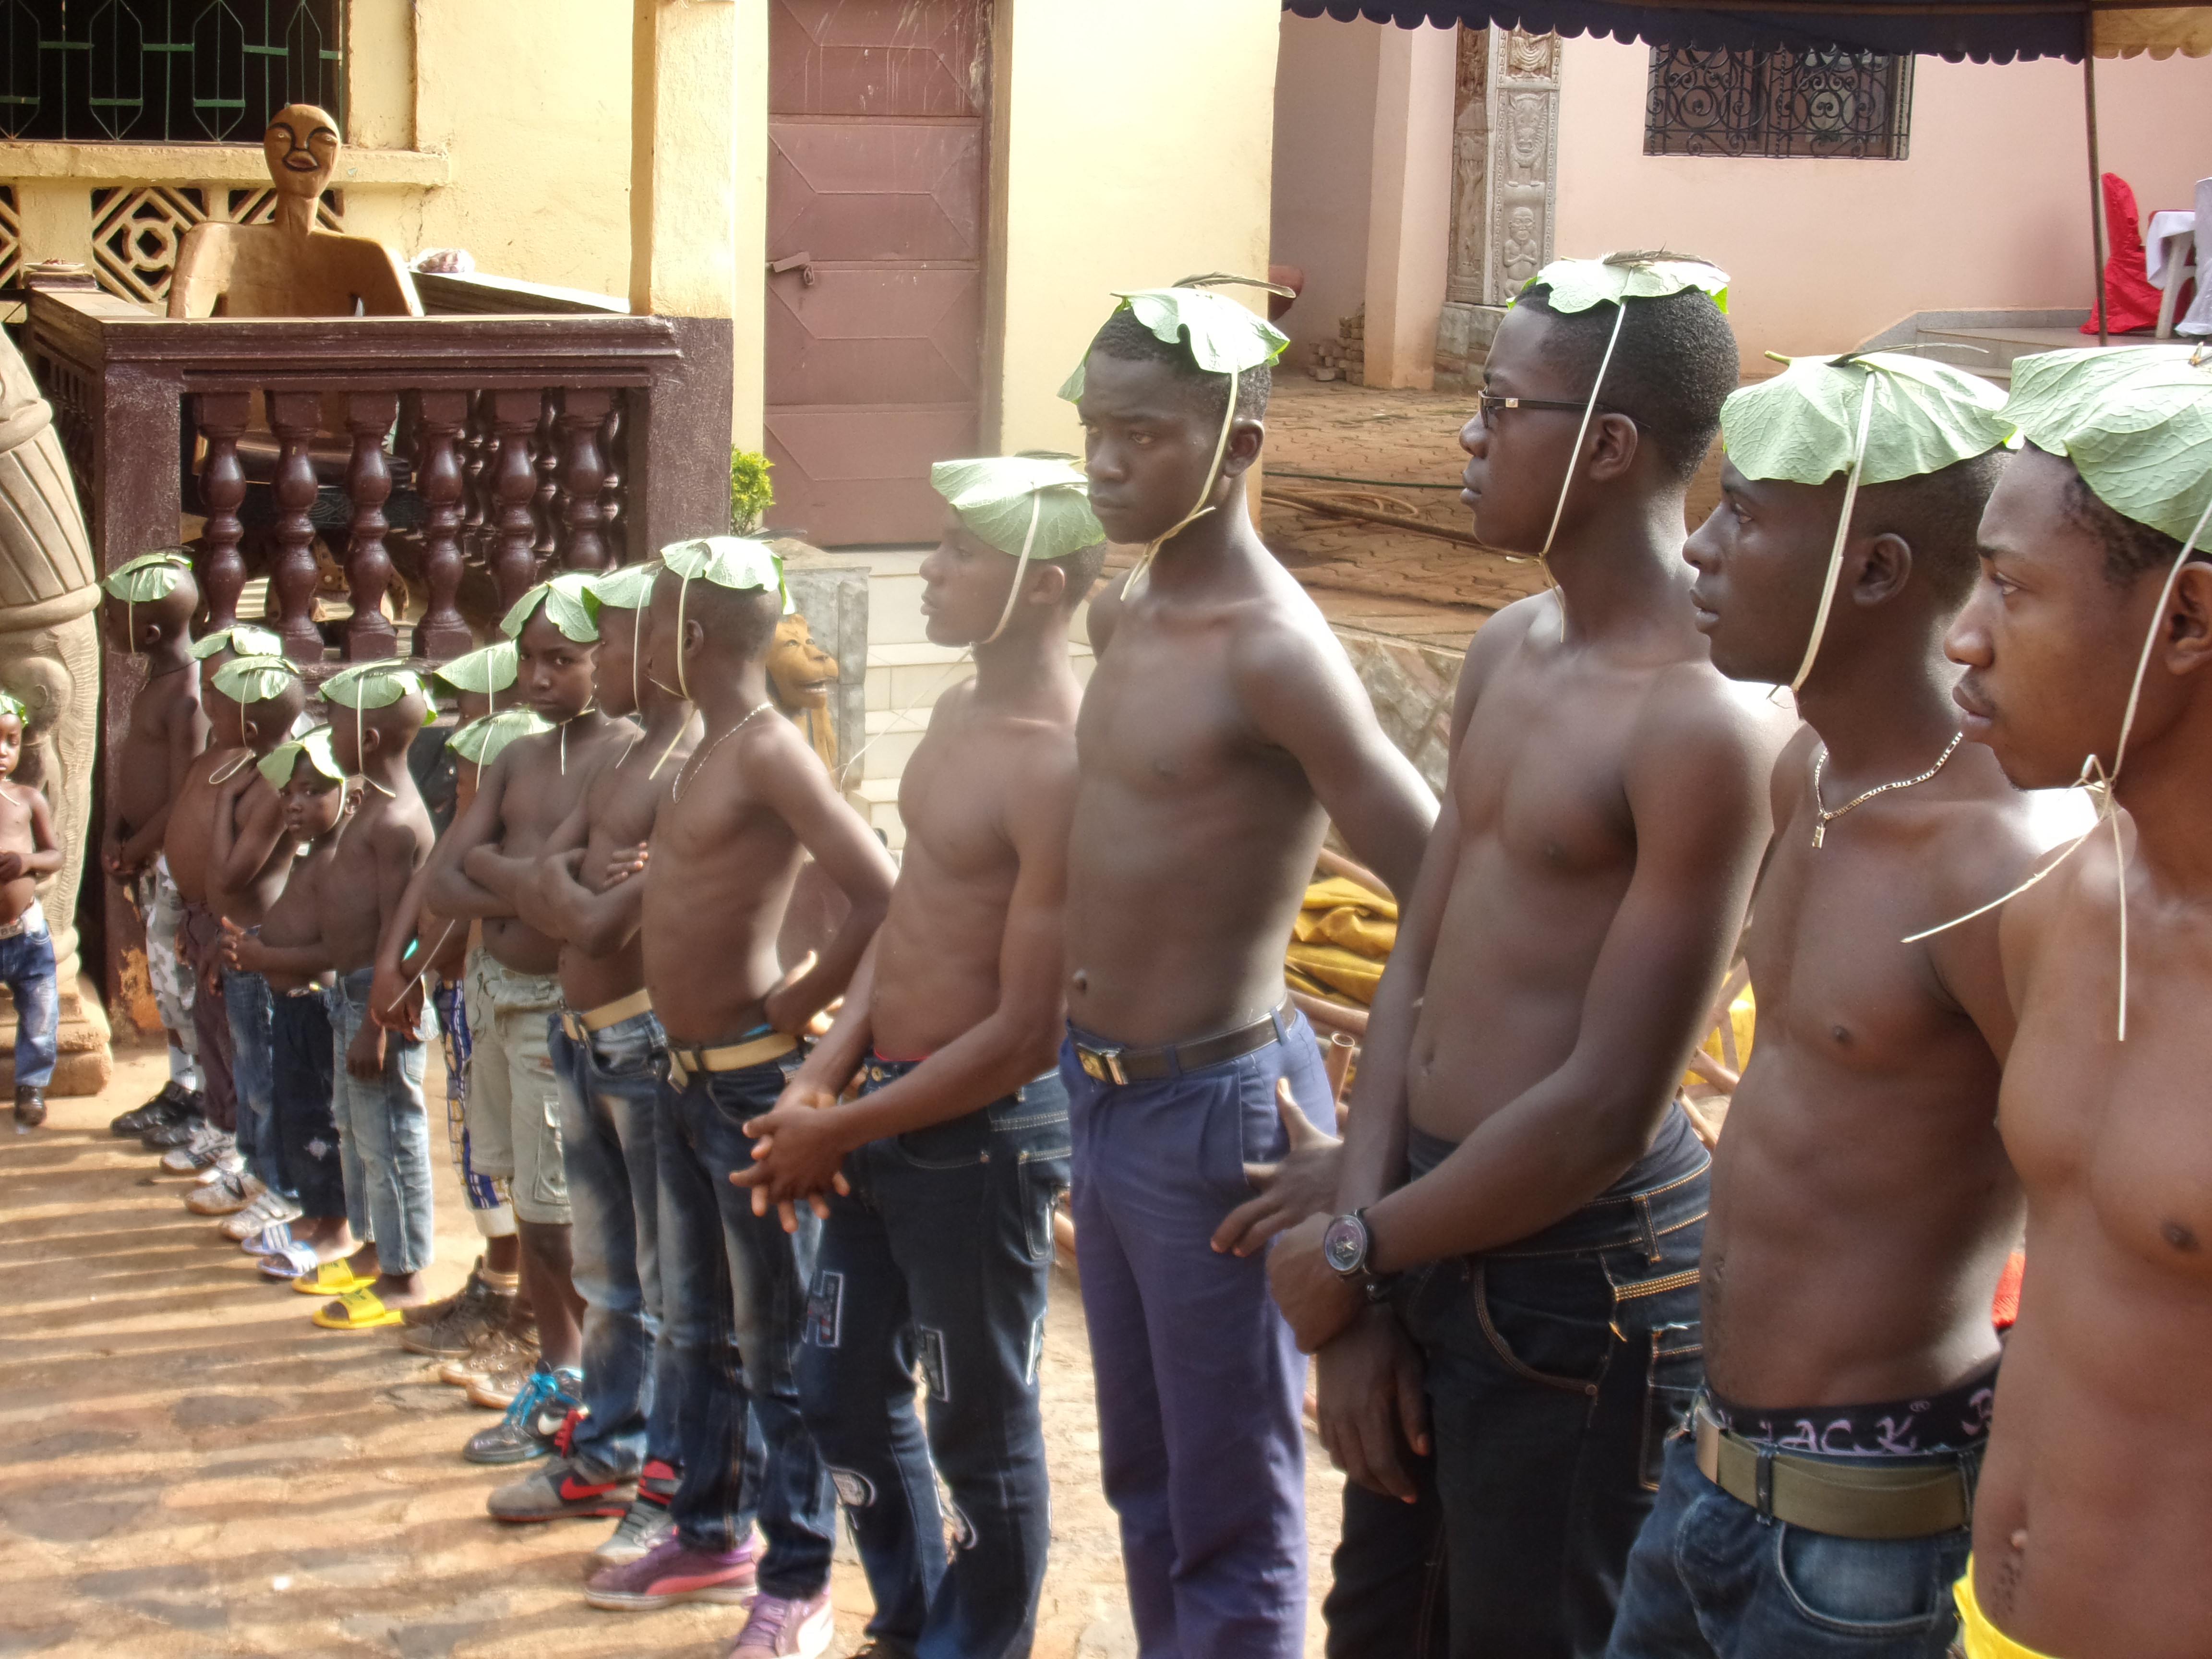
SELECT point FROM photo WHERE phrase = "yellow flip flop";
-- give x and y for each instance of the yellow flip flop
(358, 1310)
(331, 1279)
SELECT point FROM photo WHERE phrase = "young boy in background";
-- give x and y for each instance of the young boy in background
(148, 613)
(287, 951)
(28, 849)
(249, 857)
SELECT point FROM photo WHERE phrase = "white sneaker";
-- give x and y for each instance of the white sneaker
(232, 1194)
(206, 1150)
(265, 1211)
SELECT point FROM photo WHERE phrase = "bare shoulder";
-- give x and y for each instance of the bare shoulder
(1278, 628)
(1694, 715)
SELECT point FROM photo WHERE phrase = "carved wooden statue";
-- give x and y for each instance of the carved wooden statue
(290, 268)
(49, 659)
(799, 675)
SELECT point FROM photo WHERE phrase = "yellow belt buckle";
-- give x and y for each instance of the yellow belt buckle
(1101, 1065)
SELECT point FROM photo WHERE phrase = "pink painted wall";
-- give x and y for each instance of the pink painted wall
(1325, 75)
(1991, 211)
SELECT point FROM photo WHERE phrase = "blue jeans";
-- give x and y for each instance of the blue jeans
(1710, 1580)
(735, 1289)
(27, 969)
(1556, 1369)
(384, 1121)
(940, 1259)
(252, 1075)
(1202, 1387)
(632, 1384)
(309, 1149)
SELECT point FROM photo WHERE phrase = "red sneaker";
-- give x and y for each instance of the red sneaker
(673, 1572)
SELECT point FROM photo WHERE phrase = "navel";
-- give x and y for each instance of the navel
(2020, 1538)
(1842, 1034)
(1081, 980)
(2178, 1236)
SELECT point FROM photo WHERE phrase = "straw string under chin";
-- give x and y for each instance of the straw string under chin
(1014, 593)
(2104, 786)
(1574, 459)
(1135, 585)
(1843, 537)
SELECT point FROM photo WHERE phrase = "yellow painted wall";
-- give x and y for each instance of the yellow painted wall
(1134, 148)
(531, 102)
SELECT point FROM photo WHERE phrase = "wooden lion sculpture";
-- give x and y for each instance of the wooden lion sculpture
(799, 675)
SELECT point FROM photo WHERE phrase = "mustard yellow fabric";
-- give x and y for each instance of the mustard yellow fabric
(1341, 940)
(1355, 976)
(1984, 1640)
(1338, 890)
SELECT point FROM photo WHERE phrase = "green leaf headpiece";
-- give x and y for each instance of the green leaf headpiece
(377, 685)
(1578, 284)
(570, 605)
(12, 704)
(239, 639)
(487, 671)
(148, 577)
(276, 766)
(1036, 508)
(1801, 425)
(735, 562)
(627, 587)
(481, 740)
(2136, 422)
(255, 679)
(1224, 338)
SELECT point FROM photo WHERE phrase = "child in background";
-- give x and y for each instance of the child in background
(287, 951)
(148, 613)
(28, 849)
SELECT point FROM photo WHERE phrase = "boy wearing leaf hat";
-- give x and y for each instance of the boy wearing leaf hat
(2087, 651)
(376, 709)
(1512, 1279)
(1863, 1207)
(147, 609)
(286, 949)
(1221, 731)
(28, 849)
(249, 857)
(729, 834)
(608, 1051)
(514, 989)
(938, 1242)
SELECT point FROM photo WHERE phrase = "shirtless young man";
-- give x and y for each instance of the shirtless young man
(147, 610)
(1863, 1207)
(727, 840)
(29, 848)
(1523, 1199)
(249, 858)
(514, 989)
(1221, 731)
(937, 1246)
(2096, 1496)
(607, 1051)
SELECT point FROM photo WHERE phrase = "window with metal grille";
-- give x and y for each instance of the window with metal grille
(1857, 105)
(165, 71)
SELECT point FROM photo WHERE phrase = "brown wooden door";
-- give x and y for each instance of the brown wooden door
(878, 165)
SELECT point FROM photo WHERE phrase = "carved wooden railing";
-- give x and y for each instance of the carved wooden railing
(515, 443)
(524, 443)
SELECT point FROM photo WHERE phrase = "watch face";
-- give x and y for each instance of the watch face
(1345, 1244)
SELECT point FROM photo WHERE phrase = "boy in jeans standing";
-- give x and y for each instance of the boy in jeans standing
(28, 849)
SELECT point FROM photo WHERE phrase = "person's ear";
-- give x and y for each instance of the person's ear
(1048, 584)
(2188, 621)
(1612, 445)
(1885, 567)
(1245, 437)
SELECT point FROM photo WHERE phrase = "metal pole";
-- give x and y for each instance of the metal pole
(2096, 177)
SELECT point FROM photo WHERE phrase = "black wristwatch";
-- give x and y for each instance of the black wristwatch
(1345, 1245)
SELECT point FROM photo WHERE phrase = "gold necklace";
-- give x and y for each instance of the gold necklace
(676, 783)
(1819, 764)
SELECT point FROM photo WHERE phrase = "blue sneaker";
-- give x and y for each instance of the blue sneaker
(535, 1420)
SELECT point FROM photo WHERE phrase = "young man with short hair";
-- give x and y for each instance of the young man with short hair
(2088, 648)
(936, 1250)
(1222, 730)
(728, 837)
(1862, 1208)
(1522, 1199)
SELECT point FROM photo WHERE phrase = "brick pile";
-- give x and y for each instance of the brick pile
(1344, 358)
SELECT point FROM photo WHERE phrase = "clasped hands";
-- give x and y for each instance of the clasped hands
(798, 1152)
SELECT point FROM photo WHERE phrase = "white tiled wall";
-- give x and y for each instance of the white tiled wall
(906, 676)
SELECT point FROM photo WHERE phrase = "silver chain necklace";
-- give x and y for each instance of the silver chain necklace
(676, 783)
(1819, 764)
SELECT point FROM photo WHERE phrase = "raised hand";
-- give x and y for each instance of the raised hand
(1303, 1183)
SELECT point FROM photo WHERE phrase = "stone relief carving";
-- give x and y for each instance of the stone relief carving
(1504, 183)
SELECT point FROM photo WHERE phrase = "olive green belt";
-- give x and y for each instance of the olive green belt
(1870, 1497)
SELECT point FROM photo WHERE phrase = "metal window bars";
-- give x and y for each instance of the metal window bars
(1855, 106)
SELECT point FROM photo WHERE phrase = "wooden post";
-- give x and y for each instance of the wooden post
(369, 636)
(545, 504)
(512, 548)
(292, 416)
(441, 634)
(583, 475)
(222, 416)
(610, 487)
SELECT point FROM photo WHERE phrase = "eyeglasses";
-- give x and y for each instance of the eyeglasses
(1487, 405)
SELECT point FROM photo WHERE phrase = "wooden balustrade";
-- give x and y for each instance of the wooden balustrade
(465, 452)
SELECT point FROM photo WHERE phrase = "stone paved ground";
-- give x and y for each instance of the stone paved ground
(189, 1469)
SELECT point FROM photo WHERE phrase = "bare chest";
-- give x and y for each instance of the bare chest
(540, 794)
(1160, 716)
(1539, 772)
(952, 801)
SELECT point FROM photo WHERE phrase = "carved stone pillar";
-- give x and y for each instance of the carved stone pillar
(1504, 188)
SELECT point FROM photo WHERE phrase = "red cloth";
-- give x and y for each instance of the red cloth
(2006, 1309)
(2134, 301)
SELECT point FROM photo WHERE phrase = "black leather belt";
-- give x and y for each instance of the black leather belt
(1115, 1065)
(1870, 1497)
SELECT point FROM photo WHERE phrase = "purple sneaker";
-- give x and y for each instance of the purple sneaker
(673, 1572)
(779, 1628)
